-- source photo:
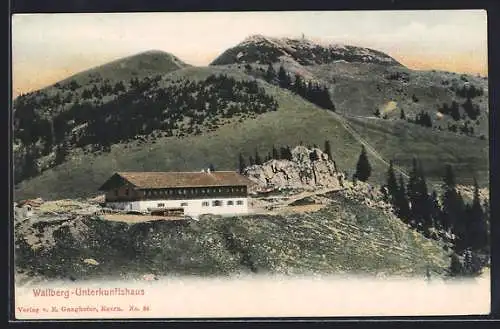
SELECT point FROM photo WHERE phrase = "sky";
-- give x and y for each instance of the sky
(49, 47)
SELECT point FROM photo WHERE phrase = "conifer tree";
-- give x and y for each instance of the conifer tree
(402, 206)
(435, 211)
(289, 155)
(62, 152)
(251, 161)
(402, 115)
(298, 86)
(328, 150)
(455, 111)
(377, 113)
(275, 153)
(460, 229)
(258, 160)
(270, 73)
(283, 154)
(453, 205)
(324, 99)
(413, 192)
(425, 202)
(392, 184)
(476, 225)
(241, 164)
(418, 197)
(363, 167)
(486, 211)
(30, 168)
(456, 267)
(283, 78)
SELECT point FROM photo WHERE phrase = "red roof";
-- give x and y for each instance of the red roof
(33, 203)
(152, 180)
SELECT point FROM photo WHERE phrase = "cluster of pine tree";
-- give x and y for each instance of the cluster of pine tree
(469, 91)
(423, 119)
(452, 110)
(471, 110)
(312, 92)
(183, 107)
(446, 217)
(106, 89)
(281, 153)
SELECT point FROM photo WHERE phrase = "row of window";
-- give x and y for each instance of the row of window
(219, 203)
(215, 203)
(193, 191)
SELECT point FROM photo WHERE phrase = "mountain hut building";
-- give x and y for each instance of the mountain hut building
(178, 193)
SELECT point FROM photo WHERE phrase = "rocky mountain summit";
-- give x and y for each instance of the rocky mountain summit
(260, 49)
(308, 168)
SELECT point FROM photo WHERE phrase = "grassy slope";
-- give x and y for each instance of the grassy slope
(359, 89)
(346, 237)
(149, 63)
(295, 121)
(402, 141)
(139, 65)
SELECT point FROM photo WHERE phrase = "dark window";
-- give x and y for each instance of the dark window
(126, 191)
(239, 202)
(184, 204)
(204, 204)
(216, 203)
(230, 202)
(161, 205)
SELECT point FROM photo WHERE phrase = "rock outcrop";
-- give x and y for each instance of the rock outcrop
(262, 49)
(307, 169)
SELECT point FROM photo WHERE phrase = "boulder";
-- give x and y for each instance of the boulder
(91, 261)
(309, 168)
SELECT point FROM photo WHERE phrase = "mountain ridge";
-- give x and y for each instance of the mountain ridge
(264, 50)
(388, 87)
(139, 64)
